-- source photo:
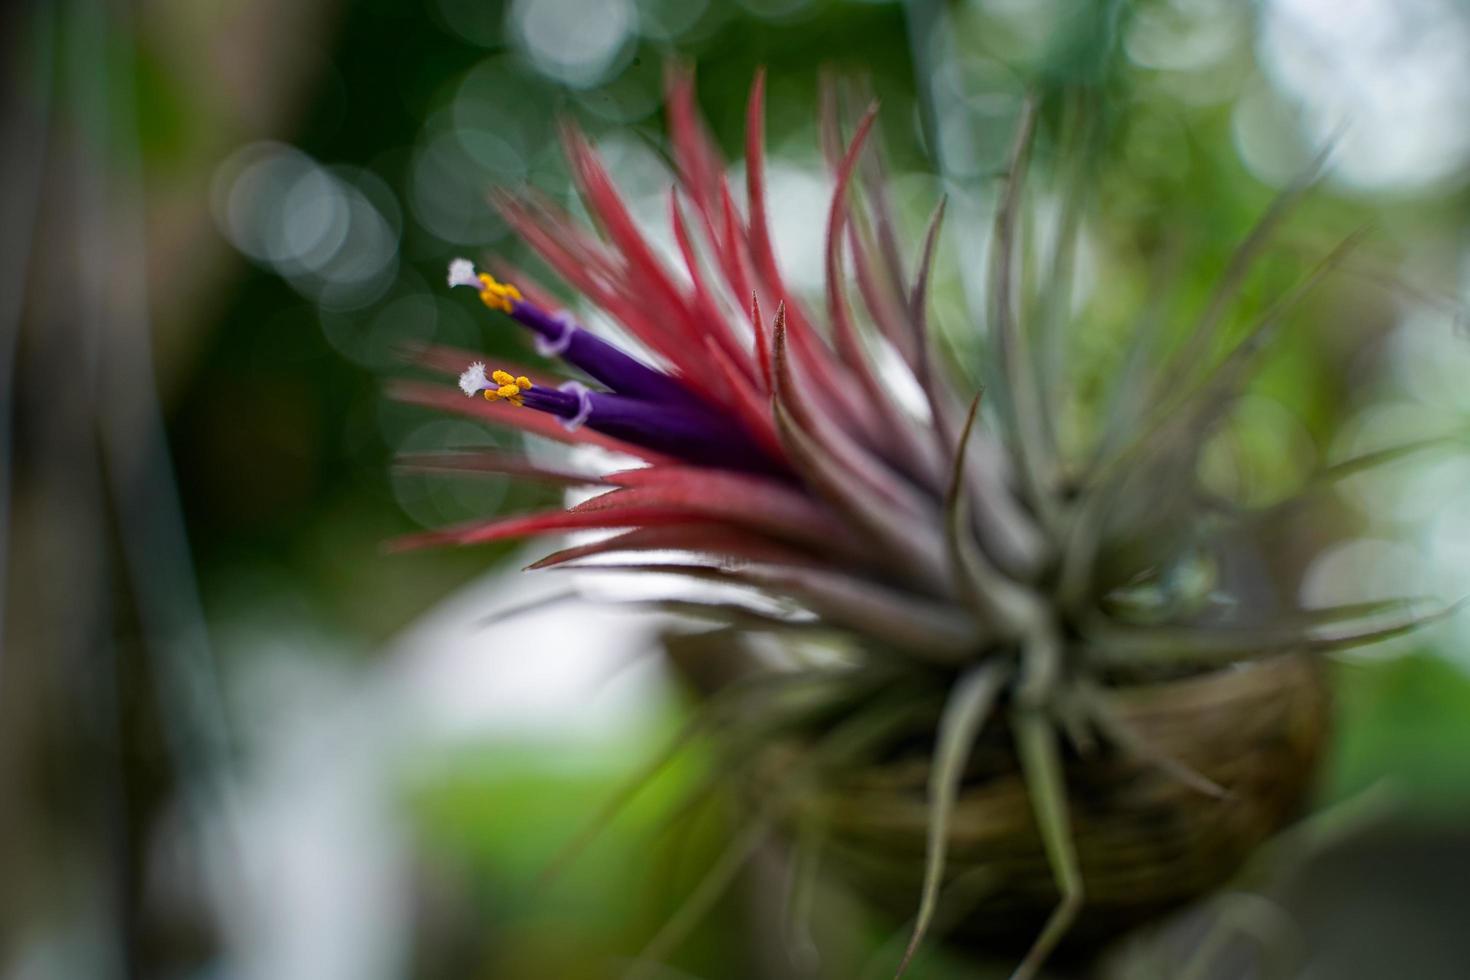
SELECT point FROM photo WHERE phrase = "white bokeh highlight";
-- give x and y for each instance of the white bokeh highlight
(577, 42)
(1392, 76)
(324, 230)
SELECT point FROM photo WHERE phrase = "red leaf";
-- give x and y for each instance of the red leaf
(762, 344)
(500, 413)
(755, 183)
(809, 349)
(751, 409)
(452, 361)
(717, 325)
(859, 466)
(914, 447)
(531, 525)
(715, 540)
(736, 246)
(583, 265)
(489, 462)
(694, 154)
(737, 498)
(606, 204)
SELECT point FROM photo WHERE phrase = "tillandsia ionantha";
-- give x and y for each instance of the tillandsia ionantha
(974, 566)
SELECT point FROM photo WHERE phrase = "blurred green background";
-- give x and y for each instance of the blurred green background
(238, 739)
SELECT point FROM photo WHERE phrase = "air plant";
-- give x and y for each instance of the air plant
(1039, 681)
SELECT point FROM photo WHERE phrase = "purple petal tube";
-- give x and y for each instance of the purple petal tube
(694, 435)
(559, 336)
(646, 407)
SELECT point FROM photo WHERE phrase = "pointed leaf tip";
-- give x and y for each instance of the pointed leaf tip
(969, 705)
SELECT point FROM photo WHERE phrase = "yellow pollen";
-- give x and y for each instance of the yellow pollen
(511, 388)
(497, 295)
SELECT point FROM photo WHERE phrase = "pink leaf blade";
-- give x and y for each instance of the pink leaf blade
(717, 326)
(717, 541)
(899, 437)
(452, 401)
(735, 498)
(752, 410)
(451, 361)
(918, 626)
(534, 525)
(489, 462)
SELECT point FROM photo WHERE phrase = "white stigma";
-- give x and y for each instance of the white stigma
(472, 381)
(462, 273)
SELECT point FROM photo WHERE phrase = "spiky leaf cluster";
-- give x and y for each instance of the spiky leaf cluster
(955, 545)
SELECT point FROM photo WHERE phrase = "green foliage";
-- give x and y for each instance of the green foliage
(1403, 722)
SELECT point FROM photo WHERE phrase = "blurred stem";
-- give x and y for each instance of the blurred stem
(24, 158)
(923, 20)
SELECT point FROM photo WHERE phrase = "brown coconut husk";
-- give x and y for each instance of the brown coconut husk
(1147, 842)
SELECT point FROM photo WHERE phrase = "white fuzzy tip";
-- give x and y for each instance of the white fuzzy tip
(472, 381)
(462, 273)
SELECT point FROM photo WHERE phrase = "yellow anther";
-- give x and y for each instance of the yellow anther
(509, 393)
(497, 295)
(511, 388)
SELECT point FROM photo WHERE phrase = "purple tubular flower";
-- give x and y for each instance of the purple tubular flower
(645, 407)
(696, 436)
(557, 335)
